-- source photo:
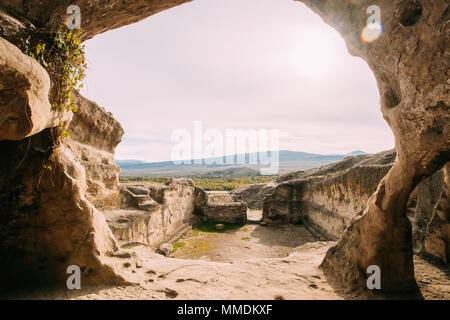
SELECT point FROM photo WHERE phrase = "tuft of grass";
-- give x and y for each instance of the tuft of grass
(197, 247)
(178, 245)
(210, 227)
(130, 245)
(246, 238)
(245, 229)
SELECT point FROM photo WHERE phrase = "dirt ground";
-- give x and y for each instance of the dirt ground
(248, 262)
(249, 242)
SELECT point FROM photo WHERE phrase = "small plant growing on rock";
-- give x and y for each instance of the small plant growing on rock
(178, 245)
(63, 56)
(68, 66)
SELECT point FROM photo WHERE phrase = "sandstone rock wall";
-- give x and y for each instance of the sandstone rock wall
(333, 202)
(410, 62)
(252, 195)
(47, 224)
(48, 221)
(327, 203)
(153, 222)
(94, 135)
(328, 199)
(431, 220)
(221, 207)
(24, 89)
(98, 16)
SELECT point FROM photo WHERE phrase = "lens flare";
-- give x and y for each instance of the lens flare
(372, 32)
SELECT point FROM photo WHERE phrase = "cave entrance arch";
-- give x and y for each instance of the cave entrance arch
(411, 72)
(104, 45)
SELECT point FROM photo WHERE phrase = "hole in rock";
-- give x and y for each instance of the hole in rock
(411, 14)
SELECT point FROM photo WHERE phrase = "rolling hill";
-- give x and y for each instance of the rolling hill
(288, 161)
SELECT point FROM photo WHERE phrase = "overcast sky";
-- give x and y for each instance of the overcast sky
(248, 64)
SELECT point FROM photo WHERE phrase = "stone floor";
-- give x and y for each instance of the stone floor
(250, 262)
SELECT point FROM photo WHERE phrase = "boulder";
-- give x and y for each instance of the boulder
(221, 207)
(138, 190)
(156, 191)
(165, 249)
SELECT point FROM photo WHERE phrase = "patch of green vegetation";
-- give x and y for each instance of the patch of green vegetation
(246, 238)
(195, 233)
(210, 183)
(245, 229)
(162, 180)
(130, 245)
(210, 227)
(178, 245)
(228, 184)
(198, 247)
(62, 54)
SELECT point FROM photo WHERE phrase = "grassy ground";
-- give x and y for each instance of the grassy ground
(210, 227)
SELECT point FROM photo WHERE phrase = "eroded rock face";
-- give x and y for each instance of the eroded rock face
(144, 220)
(327, 199)
(94, 135)
(432, 232)
(47, 220)
(410, 62)
(97, 16)
(24, 87)
(328, 203)
(221, 207)
(253, 194)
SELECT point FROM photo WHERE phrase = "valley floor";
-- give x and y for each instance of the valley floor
(251, 262)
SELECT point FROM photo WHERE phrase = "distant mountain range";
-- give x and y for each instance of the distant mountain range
(288, 161)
